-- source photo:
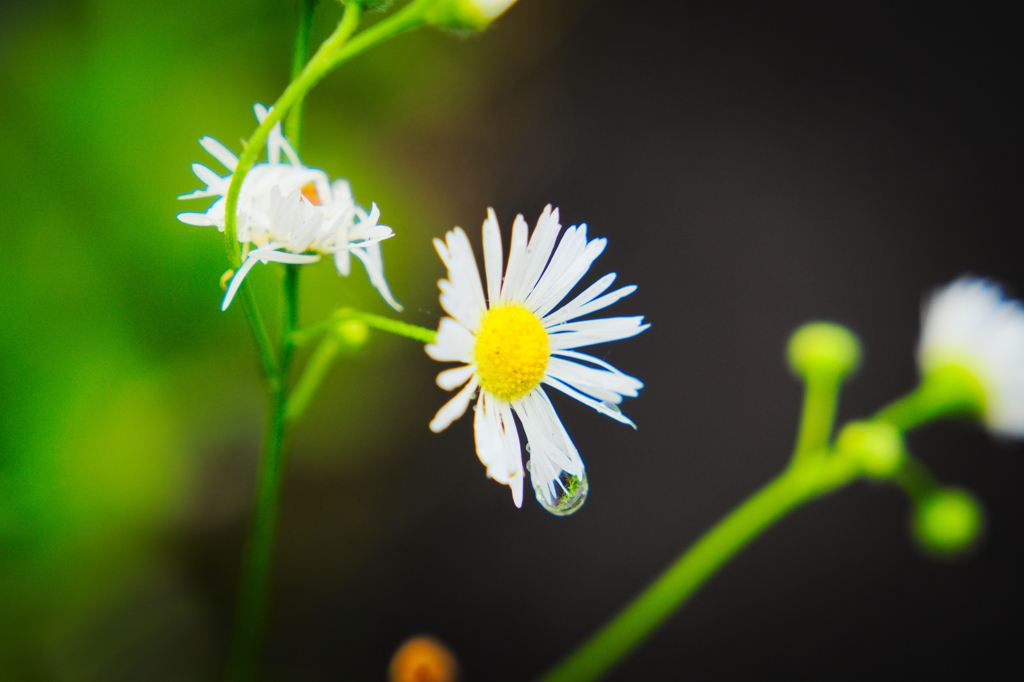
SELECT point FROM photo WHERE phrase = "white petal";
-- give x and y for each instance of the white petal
(236, 281)
(602, 407)
(371, 257)
(571, 276)
(206, 175)
(450, 379)
(516, 485)
(288, 257)
(551, 449)
(497, 440)
(197, 219)
(264, 254)
(219, 152)
(199, 194)
(492, 257)
(571, 246)
(542, 241)
(342, 262)
(454, 343)
(453, 409)
(589, 294)
(589, 332)
(596, 382)
(571, 312)
(516, 258)
(464, 275)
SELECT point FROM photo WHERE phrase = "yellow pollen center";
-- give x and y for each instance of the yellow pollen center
(511, 352)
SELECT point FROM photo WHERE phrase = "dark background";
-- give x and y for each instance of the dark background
(754, 167)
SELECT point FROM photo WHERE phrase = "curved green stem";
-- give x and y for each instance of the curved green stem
(820, 398)
(379, 322)
(634, 624)
(312, 376)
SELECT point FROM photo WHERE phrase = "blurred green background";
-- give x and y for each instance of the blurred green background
(130, 409)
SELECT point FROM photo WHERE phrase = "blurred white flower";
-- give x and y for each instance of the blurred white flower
(290, 213)
(514, 340)
(969, 326)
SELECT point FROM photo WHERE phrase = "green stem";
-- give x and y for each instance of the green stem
(379, 322)
(915, 478)
(945, 392)
(268, 359)
(290, 317)
(634, 624)
(819, 410)
(293, 126)
(251, 611)
(312, 376)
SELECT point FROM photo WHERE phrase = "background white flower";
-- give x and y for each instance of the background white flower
(969, 325)
(290, 213)
(514, 340)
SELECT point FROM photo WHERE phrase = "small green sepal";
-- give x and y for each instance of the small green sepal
(823, 349)
(948, 522)
(953, 389)
(877, 447)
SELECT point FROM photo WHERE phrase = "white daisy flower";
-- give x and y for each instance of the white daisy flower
(290, 213)
(513, 340)
(968, 326)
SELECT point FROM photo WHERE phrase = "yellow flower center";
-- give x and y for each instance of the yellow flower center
(511, 352)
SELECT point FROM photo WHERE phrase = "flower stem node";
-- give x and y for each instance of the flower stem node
(471, 15)
(823, 349)
(352, 335)
(948, 522)
(876, 446)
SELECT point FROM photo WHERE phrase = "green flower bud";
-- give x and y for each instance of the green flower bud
(352, 335)
(472, 15)
(948, 522)
(823, 348)
(876, 446)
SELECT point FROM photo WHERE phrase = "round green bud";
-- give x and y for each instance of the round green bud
(948, 522)
(352, 335)
(876, 446)
(823, 348)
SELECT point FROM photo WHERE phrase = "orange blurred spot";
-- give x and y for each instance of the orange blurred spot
(225, 278)
(423, 659)
(309, 191)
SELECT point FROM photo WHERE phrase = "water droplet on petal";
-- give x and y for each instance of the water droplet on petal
(571, 493)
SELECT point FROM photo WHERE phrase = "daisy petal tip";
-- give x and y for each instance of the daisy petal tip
(516, 485)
